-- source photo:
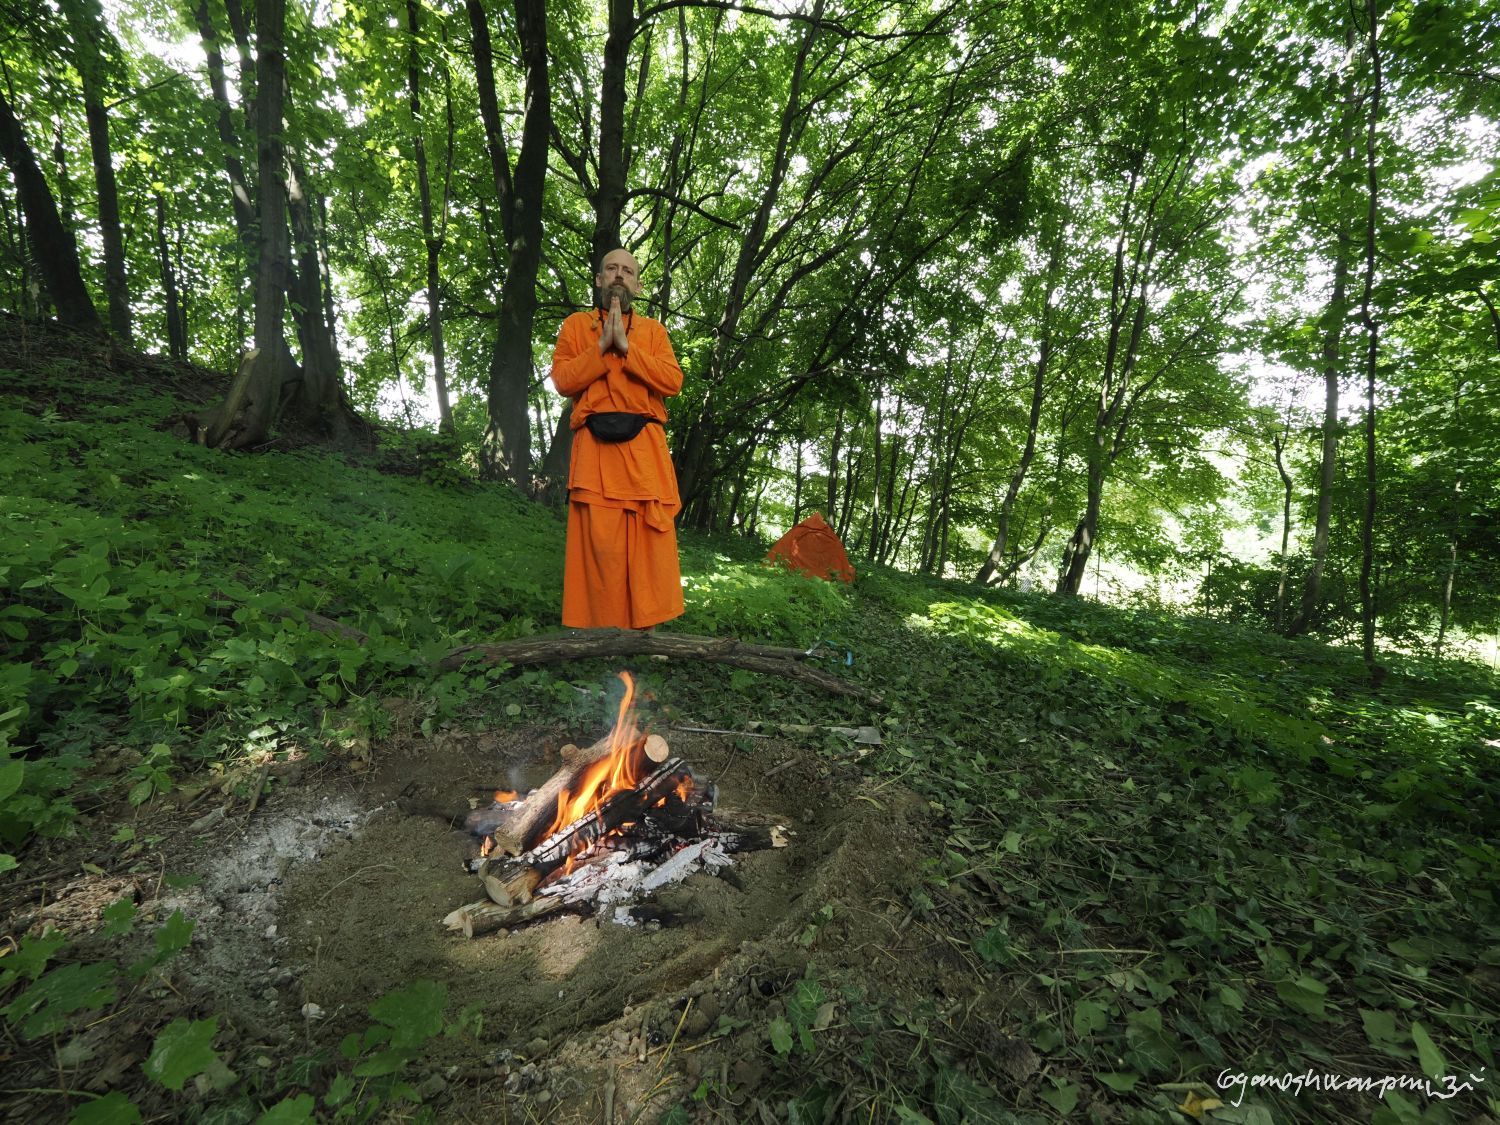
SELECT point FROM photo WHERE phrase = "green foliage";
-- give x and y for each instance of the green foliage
(183, 1050)
(159, 600)
(405, 1019)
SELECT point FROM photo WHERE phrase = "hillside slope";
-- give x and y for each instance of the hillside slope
(1100, 859)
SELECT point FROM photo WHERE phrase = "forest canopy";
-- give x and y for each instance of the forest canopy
(1202, 292)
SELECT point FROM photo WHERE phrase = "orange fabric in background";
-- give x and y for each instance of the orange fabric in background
(813, 548)
(621, 569)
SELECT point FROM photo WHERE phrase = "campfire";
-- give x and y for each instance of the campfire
(616, 822)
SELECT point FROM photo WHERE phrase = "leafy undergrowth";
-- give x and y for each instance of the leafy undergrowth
(1182, 852)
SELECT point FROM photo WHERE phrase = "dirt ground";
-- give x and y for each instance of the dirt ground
(331, 892)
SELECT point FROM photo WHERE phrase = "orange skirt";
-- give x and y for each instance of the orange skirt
(619, 571)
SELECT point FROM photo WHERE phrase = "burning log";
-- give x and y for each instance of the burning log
(514, 826)
(512, 881)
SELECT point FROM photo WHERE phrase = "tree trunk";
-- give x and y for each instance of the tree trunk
(1372, 330)
(1332, 350)
(694, 470)
(241, 194)
(260, 387)
(506, 453)
(996, 558)
(55, 252)
(430, 239)
(609, 195)
(320, 398)
(87, 29)
(797, 487)
(1280, 440)
(833, 466)
(176, 325)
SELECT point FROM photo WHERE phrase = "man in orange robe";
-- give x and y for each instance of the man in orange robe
(621, 568)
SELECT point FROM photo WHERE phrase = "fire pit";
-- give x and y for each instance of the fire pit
(619, 820)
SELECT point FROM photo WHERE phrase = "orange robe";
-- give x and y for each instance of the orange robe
(621, 567)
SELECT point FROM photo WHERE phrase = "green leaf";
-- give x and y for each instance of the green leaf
(289, 1111)
(11, 774)
(908, 1116)
(414, 1014)
(1118, 1082)
(382, 1063)
(1428, 1056)
(118, 917)
(1088, 1017)
(677, 1115)
(995, 947)
(781, 1035)
(182, 1050)
(339, 1090)
(1305, 994)
(31, 959)
(1380, 1027)
(173, 937)
(45, 1007)
(957, 1099)
(1063, 1097)
(112, 1109)
(8, 862)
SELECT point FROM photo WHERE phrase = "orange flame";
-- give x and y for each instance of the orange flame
(504, 796)
(619, 770)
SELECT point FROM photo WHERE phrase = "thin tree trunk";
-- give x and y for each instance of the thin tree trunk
(1372, 330)
(53, 248)
(430, 239)
(242, 197)
(874, 524)
(320, 398)
(1279, 441)
(797, 487)
(996, 558)
(176, 328)
(1332, 349)
(88, 32)
(833, 465)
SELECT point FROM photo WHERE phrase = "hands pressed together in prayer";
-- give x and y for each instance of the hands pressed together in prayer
(613, 337)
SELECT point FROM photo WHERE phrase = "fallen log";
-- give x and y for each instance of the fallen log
(479, 918)
(584, 644)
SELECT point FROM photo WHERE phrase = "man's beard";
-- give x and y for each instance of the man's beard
(610, 292)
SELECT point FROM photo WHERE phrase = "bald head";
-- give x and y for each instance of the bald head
(619, 276)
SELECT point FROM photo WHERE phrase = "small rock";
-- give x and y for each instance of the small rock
(537, 1047)
(696, 1024)
(271, 930)
(709, 1005)
(265, 1062)
(311, 1011)
(271, 994)
(542, 1097)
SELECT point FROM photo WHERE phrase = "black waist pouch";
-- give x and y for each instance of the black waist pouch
(612, 426)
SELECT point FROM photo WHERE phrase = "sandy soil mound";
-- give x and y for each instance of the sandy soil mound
(332, 893)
